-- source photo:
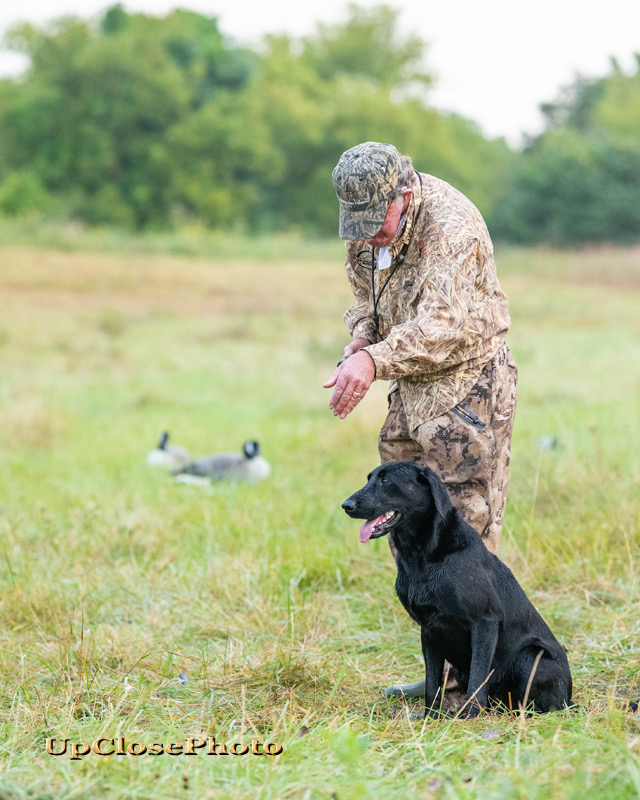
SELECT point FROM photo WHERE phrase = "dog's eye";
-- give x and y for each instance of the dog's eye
(384, 480)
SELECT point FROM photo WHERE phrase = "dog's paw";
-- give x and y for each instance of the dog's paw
(471, 711)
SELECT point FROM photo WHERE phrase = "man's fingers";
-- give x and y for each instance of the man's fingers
(351, 380)
(338, 398)
(351, 396)
(331, 381)
(351, 401)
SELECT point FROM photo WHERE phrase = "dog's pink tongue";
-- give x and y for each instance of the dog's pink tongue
(367, 529)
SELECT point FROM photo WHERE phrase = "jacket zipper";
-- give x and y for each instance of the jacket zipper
(468, 416)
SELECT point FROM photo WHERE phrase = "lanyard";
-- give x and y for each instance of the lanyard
(398, 261)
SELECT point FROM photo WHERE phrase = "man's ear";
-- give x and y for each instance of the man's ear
(438, 492)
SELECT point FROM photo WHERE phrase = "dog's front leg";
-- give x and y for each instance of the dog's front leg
(434, 665)
(484, 638)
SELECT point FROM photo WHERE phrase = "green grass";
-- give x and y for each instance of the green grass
(115, 580)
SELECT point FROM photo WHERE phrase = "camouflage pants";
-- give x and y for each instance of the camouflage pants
(469, 447)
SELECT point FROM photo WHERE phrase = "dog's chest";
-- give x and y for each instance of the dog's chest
(424, 601)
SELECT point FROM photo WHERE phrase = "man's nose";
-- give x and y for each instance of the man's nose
(349, 505)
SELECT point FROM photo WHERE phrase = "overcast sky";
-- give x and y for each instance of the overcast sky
(495, 60)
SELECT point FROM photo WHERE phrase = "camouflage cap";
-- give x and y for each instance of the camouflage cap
(363, 180)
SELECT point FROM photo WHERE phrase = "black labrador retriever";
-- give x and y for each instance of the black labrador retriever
(471, 609)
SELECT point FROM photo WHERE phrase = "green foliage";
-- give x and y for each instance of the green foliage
(22, 193)
(146, 122)
(93, 118)
(317, 101)
(580, 180)
(367, 46)
(114, 19)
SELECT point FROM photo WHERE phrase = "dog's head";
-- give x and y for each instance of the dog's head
(396, 491)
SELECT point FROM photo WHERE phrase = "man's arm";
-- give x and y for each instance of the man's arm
(441, 323)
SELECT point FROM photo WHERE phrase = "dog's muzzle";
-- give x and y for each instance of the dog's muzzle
(376, 526)
(379, 526)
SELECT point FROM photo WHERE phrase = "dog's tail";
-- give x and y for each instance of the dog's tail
(536, 644)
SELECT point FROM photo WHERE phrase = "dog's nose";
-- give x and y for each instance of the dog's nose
(349, 505)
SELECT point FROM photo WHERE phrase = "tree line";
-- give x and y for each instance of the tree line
(147, 122)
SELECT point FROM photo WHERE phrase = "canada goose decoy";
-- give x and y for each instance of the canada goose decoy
(169, 456)
(248, 466)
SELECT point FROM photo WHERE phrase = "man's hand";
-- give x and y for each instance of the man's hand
(352, 380)
(356, 344)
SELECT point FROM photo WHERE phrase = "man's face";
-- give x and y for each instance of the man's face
(389, 227)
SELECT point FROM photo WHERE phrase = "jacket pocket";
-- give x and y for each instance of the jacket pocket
(468, 416)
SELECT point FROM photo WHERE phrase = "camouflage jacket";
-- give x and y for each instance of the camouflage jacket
(442, 314)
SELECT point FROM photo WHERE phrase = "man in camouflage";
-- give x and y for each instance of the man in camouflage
(430, 317)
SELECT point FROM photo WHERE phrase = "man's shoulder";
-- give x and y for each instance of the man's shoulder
(447, 208)
(435, 189)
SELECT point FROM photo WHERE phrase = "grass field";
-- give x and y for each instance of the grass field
(115, 580)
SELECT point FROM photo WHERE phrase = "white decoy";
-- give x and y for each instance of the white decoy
(169, 456)
(248, 466)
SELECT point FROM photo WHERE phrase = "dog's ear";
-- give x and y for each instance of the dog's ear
(438, 492)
